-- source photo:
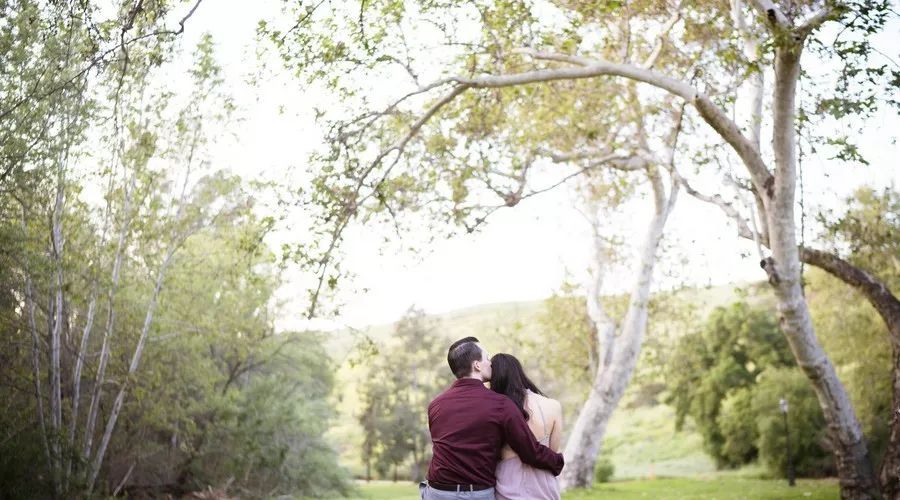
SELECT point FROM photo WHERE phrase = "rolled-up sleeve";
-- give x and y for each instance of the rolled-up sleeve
(519, 437)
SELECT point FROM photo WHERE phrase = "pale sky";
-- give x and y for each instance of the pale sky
(523, 253)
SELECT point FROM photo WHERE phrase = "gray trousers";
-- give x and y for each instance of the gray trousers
(428, 493)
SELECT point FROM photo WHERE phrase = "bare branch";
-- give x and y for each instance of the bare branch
(186, 17)
(726, 206)
(661, 38)
(876, 291)
(554, 56)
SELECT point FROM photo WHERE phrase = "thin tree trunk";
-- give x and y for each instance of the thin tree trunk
(55, 334)
(132, 368)
(619, 357)
(176, 242)
(76, 374)
(30, 306)
(857, 477)
(36, 366)
(94, 408)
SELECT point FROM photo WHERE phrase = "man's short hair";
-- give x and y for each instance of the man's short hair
(462, 354)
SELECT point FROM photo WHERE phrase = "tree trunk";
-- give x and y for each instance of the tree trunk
(30, 306)
(132, 368)
(618, 357)
(857, 477)
(888, 307)
(56, 240)
(76, 376)
(890, 466)
(90, 423)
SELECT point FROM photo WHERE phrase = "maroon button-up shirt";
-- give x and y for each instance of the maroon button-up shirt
(469, 425)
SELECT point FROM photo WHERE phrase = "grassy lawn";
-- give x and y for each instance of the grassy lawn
(678, 488)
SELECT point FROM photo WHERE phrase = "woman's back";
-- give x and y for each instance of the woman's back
(516, 480)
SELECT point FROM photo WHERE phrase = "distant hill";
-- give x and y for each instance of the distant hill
(490, 321)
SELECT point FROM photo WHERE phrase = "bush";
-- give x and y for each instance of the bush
(807, 425)
(604, 470)
(738, 425)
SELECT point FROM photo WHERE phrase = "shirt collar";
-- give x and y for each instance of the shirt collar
(467, 382)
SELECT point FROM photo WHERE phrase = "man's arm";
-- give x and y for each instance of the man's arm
(519, 437)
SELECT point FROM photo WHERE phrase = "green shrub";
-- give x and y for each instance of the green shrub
(604, 470)
(805, 421)
(738, 425)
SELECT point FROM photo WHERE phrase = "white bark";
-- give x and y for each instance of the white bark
(177, 240)
(854, 465)
(132, 368)
(91, 422)
(757, 78)
(56, 235)
(76, 373)
(36, 364)
(620, 356)
(30, 306)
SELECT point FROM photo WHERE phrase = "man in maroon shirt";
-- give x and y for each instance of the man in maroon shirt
(469, 425)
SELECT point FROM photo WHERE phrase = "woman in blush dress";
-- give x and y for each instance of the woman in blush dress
(516, 480)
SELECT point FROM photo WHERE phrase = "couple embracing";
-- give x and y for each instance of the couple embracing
(501, 442)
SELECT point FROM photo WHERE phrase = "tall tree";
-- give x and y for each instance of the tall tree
(398, 384)
(79, 234)
(867, 228)
(490, 47)
(619, 340)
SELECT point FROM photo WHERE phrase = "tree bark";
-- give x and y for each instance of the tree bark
(30, 306)
(619, 357)
(76, 374)
(879, 296)
(132, 368)
(56, 240)
(176, 241)
(890, 466)
(888, 307)
(94, 408)
(857, 477)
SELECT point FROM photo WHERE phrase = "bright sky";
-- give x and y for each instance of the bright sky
(523, 253)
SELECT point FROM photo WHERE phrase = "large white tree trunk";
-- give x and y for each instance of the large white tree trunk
(851, 454)
(619, 354)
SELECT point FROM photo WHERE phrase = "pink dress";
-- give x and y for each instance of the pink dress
(518, 481)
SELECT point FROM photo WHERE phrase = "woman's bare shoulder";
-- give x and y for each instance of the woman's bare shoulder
(549, 404)
(555, 405)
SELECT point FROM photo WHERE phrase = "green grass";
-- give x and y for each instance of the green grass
(678, 488)
(383, 490)
(642, 443)
(711, 489)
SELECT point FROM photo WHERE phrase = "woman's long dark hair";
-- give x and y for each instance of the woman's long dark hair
(508, 378)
